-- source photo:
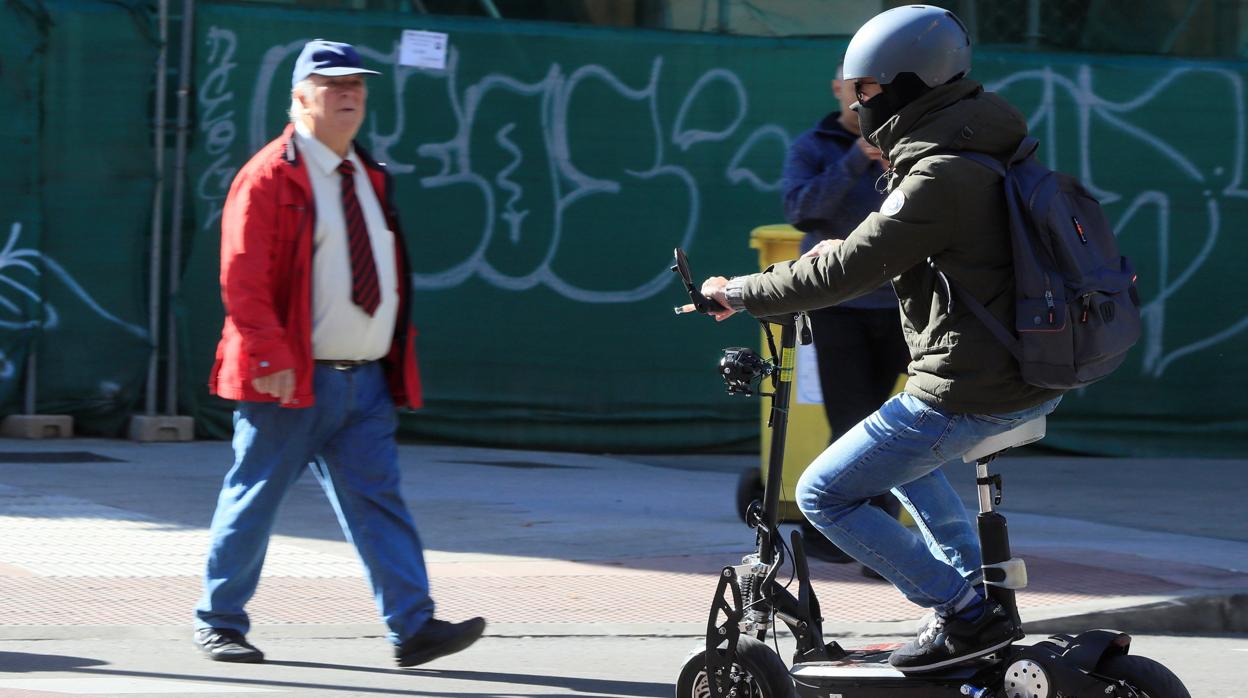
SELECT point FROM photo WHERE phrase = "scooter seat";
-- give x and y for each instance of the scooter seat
(1025, 433)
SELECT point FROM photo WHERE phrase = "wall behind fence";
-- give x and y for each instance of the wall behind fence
(543, 179)
(1162, 144)
(545, 175)
(75, 197)
(21, 59)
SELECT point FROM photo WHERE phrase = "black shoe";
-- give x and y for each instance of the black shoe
(946, 641)
(438, 638)
(222, 645)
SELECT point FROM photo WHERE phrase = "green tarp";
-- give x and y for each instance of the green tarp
(21, 59)
(77, 212)
(544, 176)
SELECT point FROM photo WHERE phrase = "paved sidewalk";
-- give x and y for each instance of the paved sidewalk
(555, 544)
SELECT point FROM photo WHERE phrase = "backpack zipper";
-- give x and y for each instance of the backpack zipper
(1079, 230)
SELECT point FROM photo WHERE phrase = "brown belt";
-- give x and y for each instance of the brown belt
(343, 364)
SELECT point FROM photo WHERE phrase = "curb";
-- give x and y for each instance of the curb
(1197, 612)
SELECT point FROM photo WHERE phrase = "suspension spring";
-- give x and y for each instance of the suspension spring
(758, 615)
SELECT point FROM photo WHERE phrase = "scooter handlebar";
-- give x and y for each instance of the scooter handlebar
(700, 304)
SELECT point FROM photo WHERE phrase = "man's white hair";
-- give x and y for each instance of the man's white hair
(307, 88)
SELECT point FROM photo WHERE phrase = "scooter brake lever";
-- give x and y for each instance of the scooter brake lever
(701, 303)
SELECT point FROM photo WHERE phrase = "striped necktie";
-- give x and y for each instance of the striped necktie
(364, 289)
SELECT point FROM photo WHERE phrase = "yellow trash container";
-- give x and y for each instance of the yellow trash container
(808, 425)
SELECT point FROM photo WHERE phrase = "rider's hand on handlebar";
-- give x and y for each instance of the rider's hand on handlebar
(713, 288)
(823, 247)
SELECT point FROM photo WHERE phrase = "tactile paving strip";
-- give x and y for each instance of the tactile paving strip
(580, 596)
(67, 562)
(55, 536)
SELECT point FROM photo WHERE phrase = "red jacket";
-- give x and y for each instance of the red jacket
(266, 280)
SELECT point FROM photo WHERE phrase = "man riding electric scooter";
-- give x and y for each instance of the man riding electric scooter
(908, 69)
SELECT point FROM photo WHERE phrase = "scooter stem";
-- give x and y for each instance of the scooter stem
(778, 424)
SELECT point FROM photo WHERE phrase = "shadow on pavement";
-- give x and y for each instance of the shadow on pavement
(589, 686)
(25, 661)
(604, 687)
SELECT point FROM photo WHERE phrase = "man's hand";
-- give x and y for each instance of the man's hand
(869, 150)
(713, 288)
(280, 385)
(824, 247)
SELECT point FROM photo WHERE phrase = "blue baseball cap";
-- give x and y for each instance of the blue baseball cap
(329, 58)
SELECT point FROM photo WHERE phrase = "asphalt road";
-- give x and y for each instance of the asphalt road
(123, 531)
(610, 667)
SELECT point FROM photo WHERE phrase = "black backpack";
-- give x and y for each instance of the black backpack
(1076, 305)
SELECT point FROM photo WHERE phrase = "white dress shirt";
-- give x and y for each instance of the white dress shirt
(340, 328)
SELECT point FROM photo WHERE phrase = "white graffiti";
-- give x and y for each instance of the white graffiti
(513, 217)
(686, 138)
(216, 123)
(738, 173)
(1114, 117)
(570, 185)
(16, 263)
(530, 212)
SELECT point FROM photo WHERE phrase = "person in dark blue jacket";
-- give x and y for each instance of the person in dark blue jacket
(830, 178)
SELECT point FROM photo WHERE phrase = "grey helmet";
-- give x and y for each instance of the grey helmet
(928, 41)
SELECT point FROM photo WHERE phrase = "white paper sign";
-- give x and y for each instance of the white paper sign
(422, 49)
(807, 380)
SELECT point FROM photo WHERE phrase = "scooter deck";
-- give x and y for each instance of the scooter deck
(866, 673)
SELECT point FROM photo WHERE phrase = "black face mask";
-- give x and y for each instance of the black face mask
(904, 89)
(872, 114)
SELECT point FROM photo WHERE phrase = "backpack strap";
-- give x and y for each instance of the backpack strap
(1026, 148)
(986, 160)
(994, 325)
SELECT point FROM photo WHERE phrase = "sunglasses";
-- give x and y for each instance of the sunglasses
(858, 90)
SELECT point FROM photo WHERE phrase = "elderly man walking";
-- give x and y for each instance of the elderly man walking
(317, 349)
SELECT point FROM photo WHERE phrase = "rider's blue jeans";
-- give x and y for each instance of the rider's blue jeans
(347, 440)
(901, 448)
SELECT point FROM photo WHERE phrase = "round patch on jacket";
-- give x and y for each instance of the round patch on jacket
(893, 203)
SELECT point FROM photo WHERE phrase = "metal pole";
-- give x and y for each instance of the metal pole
(30, 379)
(970, 17)
(490, 9)
(153, 302)
(1033, 22)
(175, 230)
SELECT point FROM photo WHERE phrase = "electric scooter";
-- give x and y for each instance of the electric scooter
(735, 660)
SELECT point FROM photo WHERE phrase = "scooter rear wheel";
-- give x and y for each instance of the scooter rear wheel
(1149, 678)
(758, 672)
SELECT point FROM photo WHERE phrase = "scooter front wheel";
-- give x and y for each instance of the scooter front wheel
(758, 672)
(1147, 677)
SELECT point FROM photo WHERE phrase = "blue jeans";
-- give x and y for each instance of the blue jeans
(901, 448)
(347, 440)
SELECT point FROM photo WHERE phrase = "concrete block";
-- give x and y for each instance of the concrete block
(161, 428)
(38, 426)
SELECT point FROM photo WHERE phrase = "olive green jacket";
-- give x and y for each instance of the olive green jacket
(951, 210)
